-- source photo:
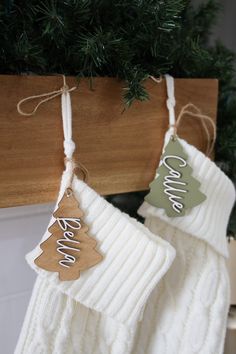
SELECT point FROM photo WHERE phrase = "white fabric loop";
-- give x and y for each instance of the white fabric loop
(69, 148)
(170, 103)
(69, 145)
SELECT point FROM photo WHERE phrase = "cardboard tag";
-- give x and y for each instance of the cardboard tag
(69, 249)
(174, 188)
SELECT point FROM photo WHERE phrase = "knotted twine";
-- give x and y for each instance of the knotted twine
(189, 110)
(69, 145)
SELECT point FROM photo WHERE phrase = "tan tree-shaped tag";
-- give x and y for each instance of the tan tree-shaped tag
(174, 188)
(69, 249)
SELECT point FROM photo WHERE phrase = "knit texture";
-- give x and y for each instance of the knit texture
(187, 312)
(108, 299)
(207, 221)
(117, 306)
(57, 324)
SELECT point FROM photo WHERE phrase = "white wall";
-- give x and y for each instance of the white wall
(21, 229)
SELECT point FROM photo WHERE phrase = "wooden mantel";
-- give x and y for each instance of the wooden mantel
(121, 151)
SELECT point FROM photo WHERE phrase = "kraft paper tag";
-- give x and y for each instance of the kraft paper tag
(69, 249)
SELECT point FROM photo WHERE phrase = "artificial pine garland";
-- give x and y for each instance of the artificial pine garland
(128, 39)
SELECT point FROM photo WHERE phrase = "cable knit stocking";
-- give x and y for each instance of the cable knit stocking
(187, 312)
(97, 313)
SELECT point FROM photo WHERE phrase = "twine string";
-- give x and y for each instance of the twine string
(49, 96)
(191, 110)
(77, 166)
(158, 80)
(69, 145)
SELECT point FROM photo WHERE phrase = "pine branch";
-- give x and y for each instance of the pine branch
(127, 39)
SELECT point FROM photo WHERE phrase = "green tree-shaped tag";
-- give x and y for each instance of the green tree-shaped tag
(174, 188)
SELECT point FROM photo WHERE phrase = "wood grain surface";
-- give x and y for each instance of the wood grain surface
(120, 150)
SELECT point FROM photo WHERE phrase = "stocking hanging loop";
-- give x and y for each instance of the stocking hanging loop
(189, 110)
(170, 103)
(69, 145)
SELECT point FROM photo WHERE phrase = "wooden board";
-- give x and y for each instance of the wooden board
(121, 151)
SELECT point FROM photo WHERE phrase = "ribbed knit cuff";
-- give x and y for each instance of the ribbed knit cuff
(207, 221)
(134, 259)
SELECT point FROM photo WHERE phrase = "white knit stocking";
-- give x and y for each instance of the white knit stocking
(97, 313)
(57, 324)
(187, 312)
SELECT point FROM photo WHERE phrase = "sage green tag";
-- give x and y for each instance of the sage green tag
(174, 188)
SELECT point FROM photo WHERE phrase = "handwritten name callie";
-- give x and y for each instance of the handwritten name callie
(172, 183)
(67, 225)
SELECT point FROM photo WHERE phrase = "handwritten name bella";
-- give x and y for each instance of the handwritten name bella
(172, 182)
(65, 224)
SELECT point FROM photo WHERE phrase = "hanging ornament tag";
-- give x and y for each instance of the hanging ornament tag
(174, 188)
(69, 249)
